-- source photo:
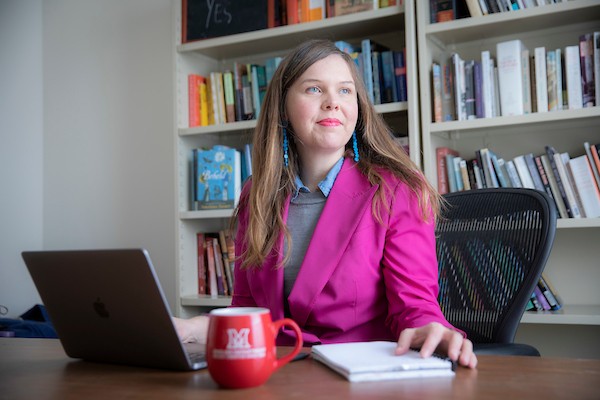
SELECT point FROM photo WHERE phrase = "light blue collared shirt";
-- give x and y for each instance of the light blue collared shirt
(325, 185)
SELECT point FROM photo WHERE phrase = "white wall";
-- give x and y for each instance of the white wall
(21, 148)
(107, 177)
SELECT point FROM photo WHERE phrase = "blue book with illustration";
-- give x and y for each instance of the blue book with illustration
(219, 178)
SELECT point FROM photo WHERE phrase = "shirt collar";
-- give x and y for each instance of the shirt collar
(325, 185)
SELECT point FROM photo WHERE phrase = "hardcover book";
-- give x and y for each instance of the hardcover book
(513, 174)
(561, 160)
(478, 84)
(377, 76)
(221, 279)
(259, 86)
(541, 79)
(312, 10)
(573, 76)
(442, 171)
(448, 108)
(533, 171)
(211, 269)
(218, 178)
(229, 96)
(228, 254)
(596, 43)
(592, 155)
(194, 99)
(488, 168)
(201, 262)
(585, 185)
(552, 80)
(436, 84)
(559, 79)
(389, 92)
(460, 90)
(550, 152)
(512, 85)
(441, 10)
(586, 55)
(400, 74)
(523, 170)
(343, 7)
(368, 46)
(470, 100)
(451, 175)
(474, 8)
(556, 194)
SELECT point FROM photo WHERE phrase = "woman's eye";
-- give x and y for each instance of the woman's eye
(345, 91)
(313, 89)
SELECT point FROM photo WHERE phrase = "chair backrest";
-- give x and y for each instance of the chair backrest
(492, 246)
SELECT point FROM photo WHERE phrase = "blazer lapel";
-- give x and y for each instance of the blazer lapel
(349, 199)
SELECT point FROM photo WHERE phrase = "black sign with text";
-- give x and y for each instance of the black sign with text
(203, 19)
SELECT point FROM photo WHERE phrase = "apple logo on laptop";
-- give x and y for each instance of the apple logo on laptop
(100, 308)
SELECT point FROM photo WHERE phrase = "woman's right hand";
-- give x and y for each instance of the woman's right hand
(193, 330)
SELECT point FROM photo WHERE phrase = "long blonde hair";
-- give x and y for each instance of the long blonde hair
(272, 182)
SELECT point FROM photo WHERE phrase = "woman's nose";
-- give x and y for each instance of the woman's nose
(331, 103)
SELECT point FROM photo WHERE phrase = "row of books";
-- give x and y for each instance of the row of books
(520, 83)
(573, 182)
(448, 10)
(216, 260)
(544, 297)
(216, 176)
(229, 96)
(237, 94)
(299, 11)
(383, 70)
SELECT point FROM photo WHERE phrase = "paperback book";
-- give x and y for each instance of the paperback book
(218, 178)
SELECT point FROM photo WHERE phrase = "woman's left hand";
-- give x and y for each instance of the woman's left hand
(435, 336)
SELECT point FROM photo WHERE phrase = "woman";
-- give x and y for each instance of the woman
(336, 224)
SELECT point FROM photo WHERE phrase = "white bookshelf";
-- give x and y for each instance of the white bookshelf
(568, 315)
(391, 26)
(573, 267)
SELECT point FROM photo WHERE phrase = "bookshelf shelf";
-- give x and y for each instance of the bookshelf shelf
(239, 126)
(205, 301)
(521, 21)
(567, 315)
(285, 37)
(563, 119)
(391, 26)
(205, 214)
(569, 223)
(218, 128)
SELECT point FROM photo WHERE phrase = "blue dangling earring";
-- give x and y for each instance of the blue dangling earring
(285, 147)
(355, 146)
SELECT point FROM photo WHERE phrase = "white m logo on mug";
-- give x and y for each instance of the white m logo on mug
(238, 339)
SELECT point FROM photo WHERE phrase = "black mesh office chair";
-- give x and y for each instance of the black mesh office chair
(492, 245)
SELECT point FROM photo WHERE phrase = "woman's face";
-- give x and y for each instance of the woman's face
(322, 108)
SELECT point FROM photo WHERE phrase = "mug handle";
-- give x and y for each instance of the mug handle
(280, 362)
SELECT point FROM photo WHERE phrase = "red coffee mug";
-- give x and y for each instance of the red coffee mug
(240, 348)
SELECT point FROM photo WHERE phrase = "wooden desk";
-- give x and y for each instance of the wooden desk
(39, 369)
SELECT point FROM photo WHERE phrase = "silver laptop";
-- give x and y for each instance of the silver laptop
(107, 306)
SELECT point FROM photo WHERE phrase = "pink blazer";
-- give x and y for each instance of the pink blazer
(360, 280)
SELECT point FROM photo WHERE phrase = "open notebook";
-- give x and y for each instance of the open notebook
(376, 361)
(108, 306)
